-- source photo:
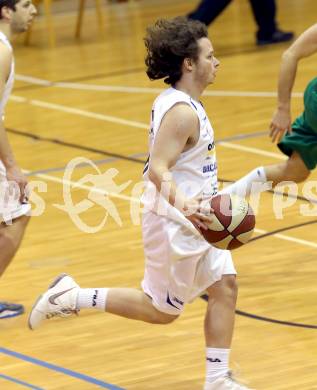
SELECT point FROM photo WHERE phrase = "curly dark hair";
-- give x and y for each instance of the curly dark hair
(168, 43)
(7, 3)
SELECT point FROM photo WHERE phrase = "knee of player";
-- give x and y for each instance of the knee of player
(295, 169)
(302, 176)
(296, 175)
(231, 286)
(226, 288)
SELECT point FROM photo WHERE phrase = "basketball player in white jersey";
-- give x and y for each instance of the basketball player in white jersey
(181, 170)
(15, 17)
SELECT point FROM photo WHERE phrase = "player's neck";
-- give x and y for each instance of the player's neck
(6, 30)
(193, 90)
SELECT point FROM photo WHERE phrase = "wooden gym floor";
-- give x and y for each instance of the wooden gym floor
(92, 99)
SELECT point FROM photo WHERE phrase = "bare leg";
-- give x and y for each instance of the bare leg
(220, 315)
(10, 240)
(219, 323)
(135, 304)
(294, 169)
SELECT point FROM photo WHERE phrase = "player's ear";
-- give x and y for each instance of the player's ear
(6, 13)
(188, 64)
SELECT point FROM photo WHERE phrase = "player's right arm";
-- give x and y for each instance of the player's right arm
(179, 127)
(304, 46)
(6, 155)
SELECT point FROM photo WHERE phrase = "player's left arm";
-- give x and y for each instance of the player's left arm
(179, 125)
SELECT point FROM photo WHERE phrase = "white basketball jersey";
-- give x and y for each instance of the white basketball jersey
(195, 171)
(10, 81)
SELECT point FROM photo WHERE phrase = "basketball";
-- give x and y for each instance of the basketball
(233, 222)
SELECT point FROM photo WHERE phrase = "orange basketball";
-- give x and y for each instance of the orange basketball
(233, 222)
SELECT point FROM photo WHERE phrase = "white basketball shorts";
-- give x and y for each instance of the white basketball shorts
(179, 265)
(11, 208)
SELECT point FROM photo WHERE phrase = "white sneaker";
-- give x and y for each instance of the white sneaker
(226, 382)
(58, 300)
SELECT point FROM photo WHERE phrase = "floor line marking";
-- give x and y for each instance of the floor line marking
(136, 124)
(59, 369)
(148, 90)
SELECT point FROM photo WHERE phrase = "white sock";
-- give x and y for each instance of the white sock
(92, 298)
(252, 182)
(217, 364)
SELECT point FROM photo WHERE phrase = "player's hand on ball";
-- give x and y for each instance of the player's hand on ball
(233, 222)
(199, 212)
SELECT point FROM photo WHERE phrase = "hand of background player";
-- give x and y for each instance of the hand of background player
(198, 212)
(14, 174)
(280, 124)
